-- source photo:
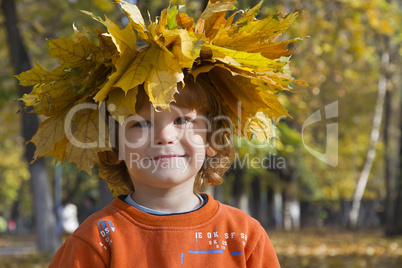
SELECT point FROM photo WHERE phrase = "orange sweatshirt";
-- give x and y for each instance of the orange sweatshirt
(121, 236)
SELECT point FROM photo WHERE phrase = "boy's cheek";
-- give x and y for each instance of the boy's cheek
(197, 141)
(134, 137)
(199, 158)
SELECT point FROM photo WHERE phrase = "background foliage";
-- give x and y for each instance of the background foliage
(340, 58)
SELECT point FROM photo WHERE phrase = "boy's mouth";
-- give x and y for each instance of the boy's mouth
(165, 157)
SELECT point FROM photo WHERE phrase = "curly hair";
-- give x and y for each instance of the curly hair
(201, 96)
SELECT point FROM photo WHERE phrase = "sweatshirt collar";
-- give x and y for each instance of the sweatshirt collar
(189, 219)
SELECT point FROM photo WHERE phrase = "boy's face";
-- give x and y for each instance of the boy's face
(164, 149)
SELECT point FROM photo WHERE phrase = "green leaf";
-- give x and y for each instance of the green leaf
(171, 20)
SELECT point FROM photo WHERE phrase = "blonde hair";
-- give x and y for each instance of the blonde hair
(202, 96)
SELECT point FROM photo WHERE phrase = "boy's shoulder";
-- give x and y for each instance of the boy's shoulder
(102, 220)
(237, 215)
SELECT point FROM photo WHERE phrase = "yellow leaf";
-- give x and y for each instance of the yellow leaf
(181, 45)
(247, 42)
(106, 43)
(161, 84)
(213, 17)
(240, 41)
(30, 99)
(261, 127)
(59, 150)
(75, 50)
(122, 104)
(272, 50)
(137, 22)
(50, 106)
(162, 23)
(251, 60)
(138, 70)
(271, 84)
(270, 26)
(247, 102)
(49, 132)
(185, 22)
(122, 63)
(125, 40)
(38, 75)
(201, 69)
(249, 15)
(86, 138)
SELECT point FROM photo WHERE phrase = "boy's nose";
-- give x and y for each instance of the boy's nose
(166, 135)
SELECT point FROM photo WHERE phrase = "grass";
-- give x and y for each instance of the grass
(322, 248)
(308, 248)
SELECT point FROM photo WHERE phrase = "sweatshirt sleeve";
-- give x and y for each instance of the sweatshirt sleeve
(263, 255)
(75, 253)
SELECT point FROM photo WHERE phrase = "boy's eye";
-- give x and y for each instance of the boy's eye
(142, 124)
(182, 120)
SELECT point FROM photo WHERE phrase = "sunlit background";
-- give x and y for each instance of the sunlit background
(341, 147)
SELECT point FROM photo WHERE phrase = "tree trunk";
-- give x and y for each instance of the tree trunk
(388, 159)
(394, 216)
(240, 198)
(278, 209)
(256, 198)
(393, 163)
(291, 208)
(375, 133)
(42, 201)
(398, 203)
(270, 206)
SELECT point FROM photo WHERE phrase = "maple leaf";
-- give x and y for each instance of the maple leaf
(75, 50)
(254, 61)
(212, 18)
(249, 15)
(242, 59)
(86, 137)
(181, 45)
(137, 21)
(161, 84)
(39, 75)
(249, 100)
(260, 127)
(272, 50)
(125, 41)
(51, 131)
(137, 71)
(271, 26)
(59, 150)
(106, 43)
(185, 22)
(171, 18)
(122, 104)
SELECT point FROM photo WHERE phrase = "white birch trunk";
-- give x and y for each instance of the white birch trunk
(375, 134)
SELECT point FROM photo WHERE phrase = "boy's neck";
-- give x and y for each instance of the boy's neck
(172, 200)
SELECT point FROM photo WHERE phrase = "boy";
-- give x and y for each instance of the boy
(177, 100)
(163, 222)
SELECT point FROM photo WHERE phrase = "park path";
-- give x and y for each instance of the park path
(14, 245)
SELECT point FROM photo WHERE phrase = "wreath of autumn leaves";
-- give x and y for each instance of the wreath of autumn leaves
(242, 59)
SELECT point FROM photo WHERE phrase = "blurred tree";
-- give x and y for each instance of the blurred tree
(42, 201)
(375, 135)
(339, 62)
(392, 133)
(13, 170)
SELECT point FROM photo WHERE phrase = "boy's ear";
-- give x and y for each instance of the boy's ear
(113, 157)
(211, 152)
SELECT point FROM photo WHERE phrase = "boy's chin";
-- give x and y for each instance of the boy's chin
(165, 179)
